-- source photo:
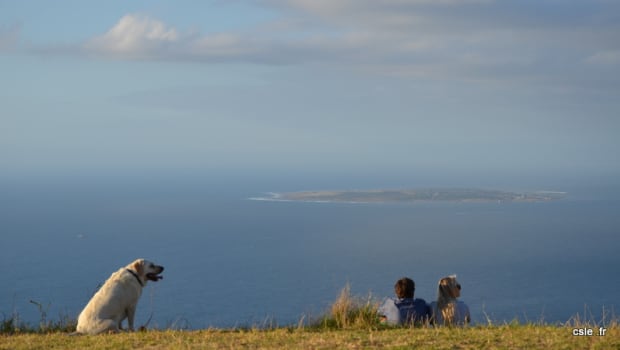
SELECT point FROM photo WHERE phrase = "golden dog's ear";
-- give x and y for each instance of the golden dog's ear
(138, 265)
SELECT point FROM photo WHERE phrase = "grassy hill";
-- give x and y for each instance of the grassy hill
(351, 323)
(489, 337)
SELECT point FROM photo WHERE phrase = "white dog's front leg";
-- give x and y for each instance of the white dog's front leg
(131, 312)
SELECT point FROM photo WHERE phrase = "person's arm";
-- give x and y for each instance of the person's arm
(388, 312)
(431, 311)
(381, 313)
(463, 311)
(428, 317)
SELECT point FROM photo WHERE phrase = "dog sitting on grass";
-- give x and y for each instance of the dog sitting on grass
(117, 299)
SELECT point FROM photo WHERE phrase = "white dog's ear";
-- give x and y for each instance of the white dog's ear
(138, 265)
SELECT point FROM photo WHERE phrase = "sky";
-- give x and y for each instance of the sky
(468, 88)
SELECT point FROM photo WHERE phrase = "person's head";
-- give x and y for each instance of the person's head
(448, 288)
(404, 288)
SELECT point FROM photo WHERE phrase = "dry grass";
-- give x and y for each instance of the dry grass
(493, 337)
(350, 324)
(350, 312)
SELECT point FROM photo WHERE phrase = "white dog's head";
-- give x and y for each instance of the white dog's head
(146, 270)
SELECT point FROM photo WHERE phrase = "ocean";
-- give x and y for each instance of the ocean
(235, 262)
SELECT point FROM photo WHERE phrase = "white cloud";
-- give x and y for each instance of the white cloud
(134, 36)
(142, 37)
(462, 39)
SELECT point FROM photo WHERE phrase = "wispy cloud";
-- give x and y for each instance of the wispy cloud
(134, 36)
(142, 37)
(605, 57)
(465, 39)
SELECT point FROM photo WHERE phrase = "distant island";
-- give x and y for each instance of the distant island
(414, 195)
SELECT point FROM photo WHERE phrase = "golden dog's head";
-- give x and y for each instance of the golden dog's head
(147, 270)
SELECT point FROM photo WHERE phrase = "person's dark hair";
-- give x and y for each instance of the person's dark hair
(404, 288)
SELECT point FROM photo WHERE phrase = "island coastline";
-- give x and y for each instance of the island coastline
(461, 195)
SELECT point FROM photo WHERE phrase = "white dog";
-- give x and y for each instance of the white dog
(117, 298)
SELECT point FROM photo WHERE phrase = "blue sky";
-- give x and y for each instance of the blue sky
(476, 87)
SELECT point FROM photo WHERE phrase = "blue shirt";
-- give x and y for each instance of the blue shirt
(405, 311)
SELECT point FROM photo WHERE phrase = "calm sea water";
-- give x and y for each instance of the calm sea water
(236, 262)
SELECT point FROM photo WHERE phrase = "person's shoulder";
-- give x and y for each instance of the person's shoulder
(433, 306)
(389, 311)
(462, 306)
(420, 301)
(421, 304)
(388, 303)
(461, 303)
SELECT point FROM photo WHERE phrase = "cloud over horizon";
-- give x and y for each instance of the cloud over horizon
(469, 40)
(134, 36)
(144, 38)
(449, 83)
